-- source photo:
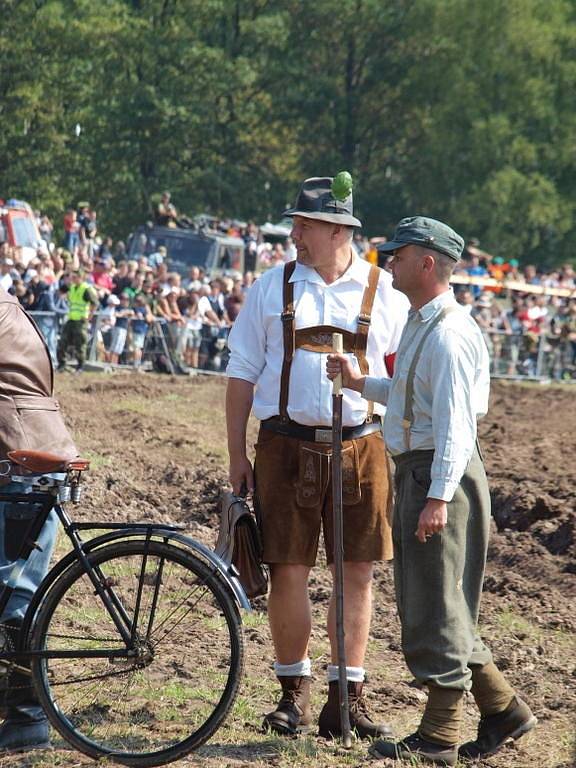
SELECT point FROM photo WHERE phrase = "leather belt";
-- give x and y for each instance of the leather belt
(318, 434)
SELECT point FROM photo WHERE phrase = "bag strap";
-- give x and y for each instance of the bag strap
(363, 326)
(409, 395)
(288, 332)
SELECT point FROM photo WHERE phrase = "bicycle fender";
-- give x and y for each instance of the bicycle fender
(225, 570)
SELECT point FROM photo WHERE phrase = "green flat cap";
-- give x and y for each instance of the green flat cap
(429, 233)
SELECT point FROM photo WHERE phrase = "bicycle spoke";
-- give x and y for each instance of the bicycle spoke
(191, 608)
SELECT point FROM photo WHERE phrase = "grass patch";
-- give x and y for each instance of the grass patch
(524, 629)
(97, 461)
(296, 750)
(518, 626)
(254, 619)
(172, 397)
(245, 710)
(132, 404)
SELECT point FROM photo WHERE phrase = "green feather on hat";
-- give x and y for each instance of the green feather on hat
(342, 186)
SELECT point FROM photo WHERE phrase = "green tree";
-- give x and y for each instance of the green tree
(461, 109)
(490, 122)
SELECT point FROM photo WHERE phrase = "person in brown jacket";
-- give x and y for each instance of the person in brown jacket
(30, 418)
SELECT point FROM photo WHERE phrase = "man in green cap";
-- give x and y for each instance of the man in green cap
(442, 510)
(278, 350)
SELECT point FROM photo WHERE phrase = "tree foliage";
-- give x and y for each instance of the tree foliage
(460, 109)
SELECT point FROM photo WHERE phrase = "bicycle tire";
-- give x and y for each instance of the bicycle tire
(96, 725)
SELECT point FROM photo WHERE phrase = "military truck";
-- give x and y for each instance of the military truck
(215, 253)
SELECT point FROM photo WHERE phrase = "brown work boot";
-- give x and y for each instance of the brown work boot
(360, 721)
(415, 748)
(495, 730)
(292, 714)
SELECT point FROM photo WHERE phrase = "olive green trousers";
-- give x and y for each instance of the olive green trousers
(74, 337)
(439, 583)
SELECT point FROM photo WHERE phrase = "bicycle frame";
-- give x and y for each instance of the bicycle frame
(126, 626)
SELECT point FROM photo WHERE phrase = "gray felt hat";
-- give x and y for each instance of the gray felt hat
(316, 201)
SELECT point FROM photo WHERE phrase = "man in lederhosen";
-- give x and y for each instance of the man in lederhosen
(442, 511)
(30, 419)
(279, 345)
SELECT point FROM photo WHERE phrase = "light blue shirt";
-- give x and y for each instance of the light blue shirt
(451, 391)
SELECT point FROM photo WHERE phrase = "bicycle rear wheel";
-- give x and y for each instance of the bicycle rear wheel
(174, 692)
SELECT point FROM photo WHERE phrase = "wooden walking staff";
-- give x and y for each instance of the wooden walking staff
(338, 526)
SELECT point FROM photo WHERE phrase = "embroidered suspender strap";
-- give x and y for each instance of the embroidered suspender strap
(409, 396)
(288, 328)
(364, 319)
(318, 338)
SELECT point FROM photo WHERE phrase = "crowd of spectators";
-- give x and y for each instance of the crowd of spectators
(130, 296)
(527, 314)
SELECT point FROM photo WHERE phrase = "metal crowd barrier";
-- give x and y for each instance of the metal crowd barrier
(165, 346)
(530, 356)
(512, 356)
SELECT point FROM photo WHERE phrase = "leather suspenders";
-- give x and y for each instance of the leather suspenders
(409, 394)
(364, 319)
(288, 329)
(318, 338)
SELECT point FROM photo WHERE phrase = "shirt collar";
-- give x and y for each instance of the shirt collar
(429, 310)
(357, 271)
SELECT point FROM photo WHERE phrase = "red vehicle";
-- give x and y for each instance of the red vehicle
(18, 228)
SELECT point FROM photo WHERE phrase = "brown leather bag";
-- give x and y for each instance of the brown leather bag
(239, 543)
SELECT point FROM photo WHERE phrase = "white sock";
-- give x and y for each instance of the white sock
(353, 674)
(299, 669)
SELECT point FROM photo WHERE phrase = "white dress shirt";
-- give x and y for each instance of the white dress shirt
(205, 306)
(257, 347)
(6, 281)
(451, 390)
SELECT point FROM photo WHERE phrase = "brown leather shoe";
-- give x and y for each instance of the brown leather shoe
(414, 746)
(495, 730)
(292, 714)
(360, 721)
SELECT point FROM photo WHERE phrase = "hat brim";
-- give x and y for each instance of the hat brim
(395, 245)
(332, 218)
(391, 245)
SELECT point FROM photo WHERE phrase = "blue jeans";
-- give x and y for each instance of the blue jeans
(48, 327)
(36, 567)
(71, 240)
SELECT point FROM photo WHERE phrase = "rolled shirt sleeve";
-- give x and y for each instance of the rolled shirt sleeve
(247, 339)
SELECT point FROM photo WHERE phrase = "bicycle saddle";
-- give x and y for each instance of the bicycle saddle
(40, 461)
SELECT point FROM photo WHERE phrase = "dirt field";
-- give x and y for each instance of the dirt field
(157, 446)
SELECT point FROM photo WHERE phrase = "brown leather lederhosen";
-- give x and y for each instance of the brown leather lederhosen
(293, 489)
(318, 338)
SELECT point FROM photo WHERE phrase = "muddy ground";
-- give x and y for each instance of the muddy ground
(157, 446)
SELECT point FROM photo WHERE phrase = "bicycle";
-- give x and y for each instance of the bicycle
(134, 638)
